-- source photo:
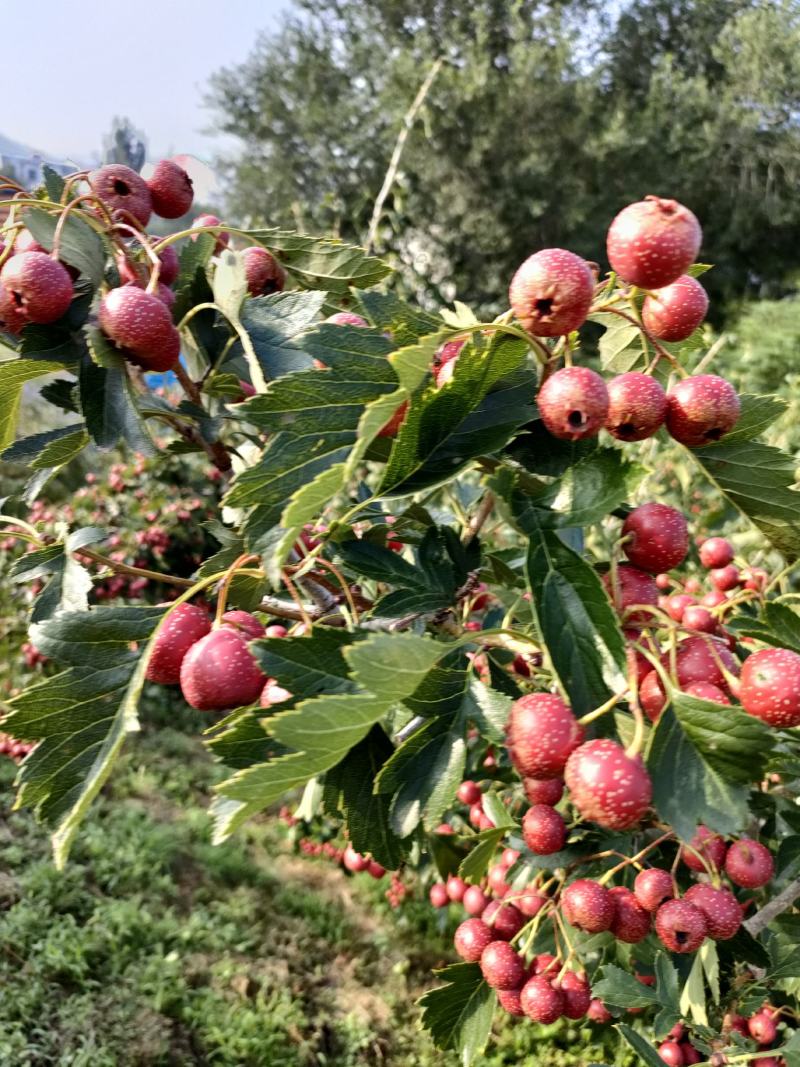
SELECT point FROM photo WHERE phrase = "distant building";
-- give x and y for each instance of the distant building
(24, 164)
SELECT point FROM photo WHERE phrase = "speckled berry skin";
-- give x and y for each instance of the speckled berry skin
(632, 588)
(631, 922)
(511, 1000)
(12, 317)
(469, 792)
(530, 903)
(211, 220)
(471, 938)
(652, 697)
(502, 966)
(598, 1012)
(505, 920)
(696, 617)
(674, 312)
(763, 1029)
(219, 672)
(184, 625)
(726, 578)
(551, 292)
(540, 735)
(681, 927)
(577, 995)
(474, 900)
(653, 242)
(170, 264)
(437, 895)
(671, 1053)
(573, 403)
(540, 1001)
(749, 864)
(588, 906)
(701, 409)
(657, 537)
(716, 552)
(141, 325)
(606, 786)
(722, 910)
(543, 830)
(698, 659)
(543, 790)
(263, 272)
(637, 406)
(123, 192)
(770, 686)
(456, 888)
(707, 691)
(346, 318)
(652, 887)
(709, 845)
(38, 285)
(244, 621)
(171, 189)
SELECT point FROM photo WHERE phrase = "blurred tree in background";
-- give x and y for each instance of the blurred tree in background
(545, 119)
(125, 144)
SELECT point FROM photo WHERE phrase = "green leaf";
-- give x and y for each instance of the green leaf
(51, 444)
(307, 666)
(423, 775)
(321, 730)
(693, 996)
(79, 245)
(79, 717)
(14, 373)
(620, 989)
(488, 709)
(758, 414)
(230, 283)
(459, 1014)
(405, 323)
(577, 621)
(108, 403)
(322, 263)
(276, 325)
(69, 583)
(243, 741)
(620, 346)
(708, 957)
(474, 866)
(702, 756)
(53, 182)
(667, 987)
(779, 626)
(642, 1048)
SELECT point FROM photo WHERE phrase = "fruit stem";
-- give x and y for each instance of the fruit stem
(65, 215)
(635, 859)
(659, 348)
(222, 596)
(479, 518)
(590, 716)
(635, 747)
(152, 283)
(342, 582)
(287, 581)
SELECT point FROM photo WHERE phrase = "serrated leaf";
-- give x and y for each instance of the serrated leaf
(701, 757)
(473, 867)
(403, 322)
(230, 283)
(309, 665)
(79, 717)
(53, 183)
(243, 741)
(577, 621)
(108, 403)
(622, 990)
(386, 669)
(459, 1014)
(488, 709)
(14, 373)
(29, 449)
(779, 626)
(321, 262)
(641, 1047)
(693, 995)
(79, 244)
(276, 325)
(620, 345)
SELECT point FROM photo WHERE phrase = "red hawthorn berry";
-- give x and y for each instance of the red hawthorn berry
(502, 966)
(652, 887)
(690, 1054)
(244, 621)
(346, 318)
(671, 1053)
(657, 537)
(475, 815)
(674, 312)
(185, 625)
(677, 605)
(664, 582)
(496, 879)
(631, 922)
(263, 272)
(511, 1000)
(701, 409)
(375, 870)
(530, 903)
(540, 1001)
(171, 189)
(725, 578)
(211, 220)
(699, 618)
(588, 906)
(652, 697)
(456, 888)
(607, 786)
(551, 292)
(219, 672)
(469, 792)
(711, 847)
(12, 316)
(762, 1028)
(637, 406)
(354, 861)
(735, 1023)
(437, 894)
(505, 920)
(722, 910)
(141, 325)
(474, 900)
(543, 830)
(700, 659)
(546, 964)
(681, 926)
(444, 364)
(471, 938)
(543, 790)
(749, 864)
(652, 243)
(38, 287)
(633, 587)
(598, 1012)
(577, 994)
(716, 552)
(170, 264)
(573, 403)
(540, 735)
(123, 192)
(707, 691)
(770, 686)
(509, 857)
(755, 578)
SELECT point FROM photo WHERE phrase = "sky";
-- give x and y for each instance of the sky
(75, 66)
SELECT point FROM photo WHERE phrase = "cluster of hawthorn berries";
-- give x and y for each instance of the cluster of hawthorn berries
(16, 750)
(136, 314)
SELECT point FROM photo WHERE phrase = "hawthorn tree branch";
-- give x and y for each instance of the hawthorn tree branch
(134, 572)
(782, 902)
(479, 518)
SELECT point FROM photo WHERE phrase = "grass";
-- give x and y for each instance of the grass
(155, 947)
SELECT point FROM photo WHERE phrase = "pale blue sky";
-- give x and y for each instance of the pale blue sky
(69, 68)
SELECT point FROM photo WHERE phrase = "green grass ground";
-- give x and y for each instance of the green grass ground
(155, 947)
